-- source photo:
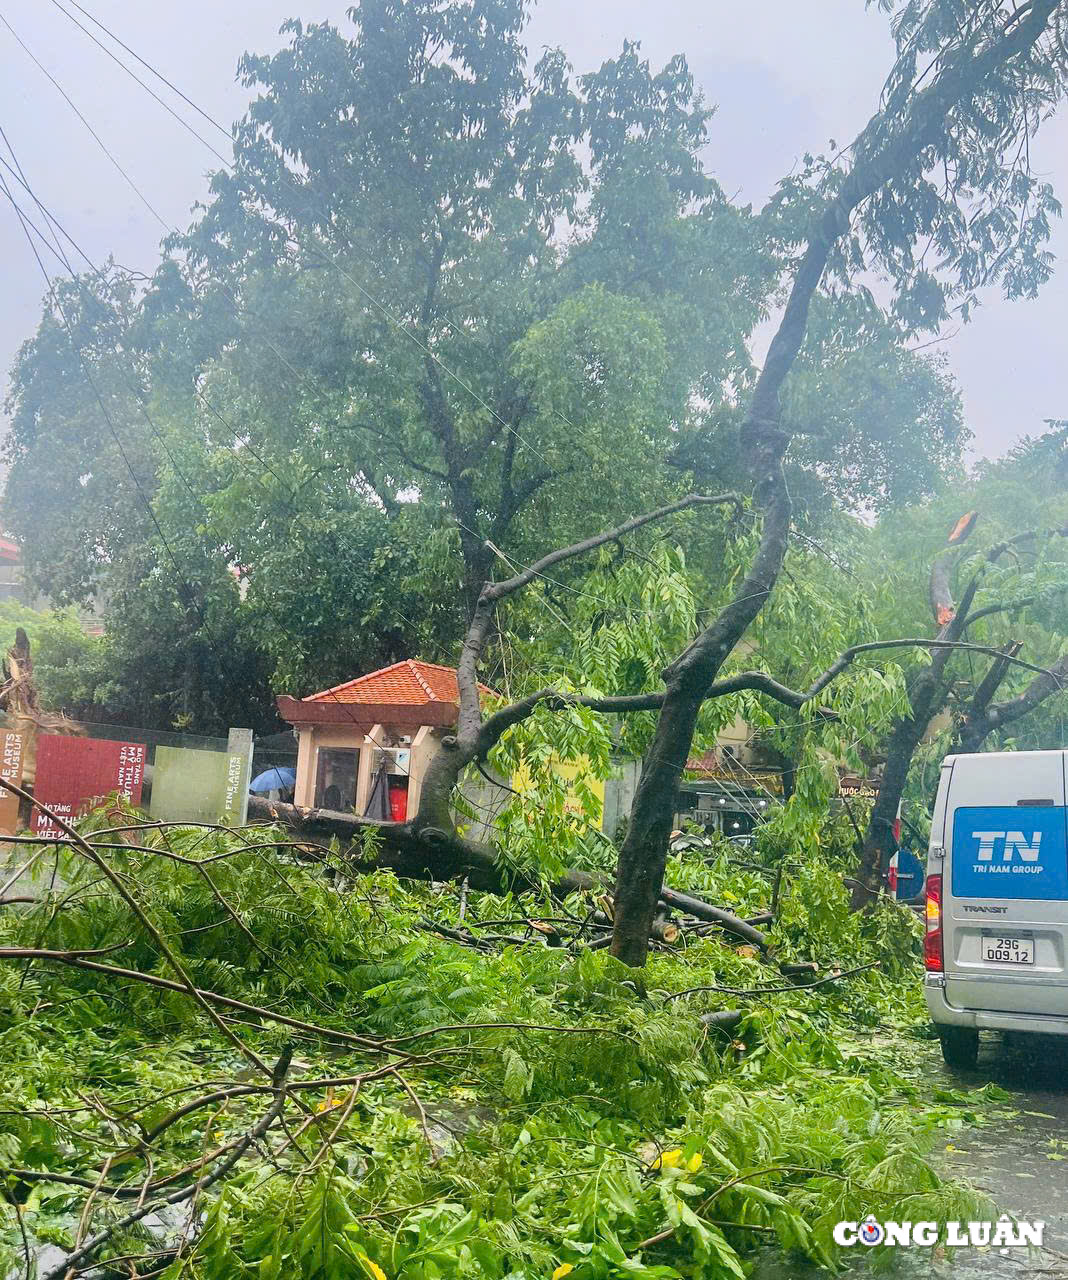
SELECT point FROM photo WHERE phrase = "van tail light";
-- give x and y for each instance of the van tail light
(932, 940)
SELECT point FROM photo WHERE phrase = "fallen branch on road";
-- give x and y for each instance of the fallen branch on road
(768, 991)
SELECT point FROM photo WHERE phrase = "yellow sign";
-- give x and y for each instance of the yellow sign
(571, 771)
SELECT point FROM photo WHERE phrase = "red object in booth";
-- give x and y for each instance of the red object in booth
(398, 799)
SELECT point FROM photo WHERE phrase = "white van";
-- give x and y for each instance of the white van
(997, 899)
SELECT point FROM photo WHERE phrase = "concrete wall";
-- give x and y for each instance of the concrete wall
(488, 799)
(619, 794)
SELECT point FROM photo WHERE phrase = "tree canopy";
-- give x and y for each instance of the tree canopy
(443, 299)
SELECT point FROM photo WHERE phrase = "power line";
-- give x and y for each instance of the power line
(100, 142)
(46, 243)
(145, 201)
(48, 217)
(54, 248)
(151, 92)
(290, 240)
(148, 66)
(197, 391)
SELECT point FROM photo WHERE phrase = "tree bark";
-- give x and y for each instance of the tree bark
(976, 722)
(878, 845)
(927, 693)
(422, 852)
(640, 871)
(984, 718)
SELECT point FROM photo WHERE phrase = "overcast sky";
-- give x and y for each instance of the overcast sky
(785, 77)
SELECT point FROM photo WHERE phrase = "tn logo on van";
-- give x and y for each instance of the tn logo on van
(1014, 843)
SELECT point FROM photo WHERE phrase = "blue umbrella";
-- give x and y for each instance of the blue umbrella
(274, 780)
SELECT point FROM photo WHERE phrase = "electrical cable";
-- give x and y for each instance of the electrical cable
(100, 142)
(242, 440)
(152, 94)
(148, 66)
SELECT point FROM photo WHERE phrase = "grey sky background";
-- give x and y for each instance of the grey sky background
(785, 77)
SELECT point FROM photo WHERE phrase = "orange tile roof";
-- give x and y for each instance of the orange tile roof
(410, 683)
(706, 763)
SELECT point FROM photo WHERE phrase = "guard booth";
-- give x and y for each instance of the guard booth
(364, 746)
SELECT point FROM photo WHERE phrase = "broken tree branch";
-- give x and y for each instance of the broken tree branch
(186, 983)
(278, 1078)
(713, 915)
(770, 991)
(982, 719)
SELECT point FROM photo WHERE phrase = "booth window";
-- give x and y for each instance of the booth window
(336, 769)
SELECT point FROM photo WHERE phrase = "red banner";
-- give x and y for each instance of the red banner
(75, 773)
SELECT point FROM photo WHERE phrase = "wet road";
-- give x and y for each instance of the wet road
(1021, 1163)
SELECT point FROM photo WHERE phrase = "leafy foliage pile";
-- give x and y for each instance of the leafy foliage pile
(518, 1110)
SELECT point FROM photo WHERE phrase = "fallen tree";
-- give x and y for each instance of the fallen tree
(992, 64)
(444, 855)
(133, 1132)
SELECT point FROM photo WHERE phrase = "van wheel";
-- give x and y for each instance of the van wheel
(960, 1047)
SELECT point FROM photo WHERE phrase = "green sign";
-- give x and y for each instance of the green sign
(238, 776)
(188, 786)
(203, 786)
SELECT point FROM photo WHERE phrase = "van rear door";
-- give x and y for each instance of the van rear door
(1005, 890)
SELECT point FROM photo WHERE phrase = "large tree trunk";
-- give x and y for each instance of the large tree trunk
(643, 857)
(927, 693)
(424, 853)
(878, 844)
(640, 871)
